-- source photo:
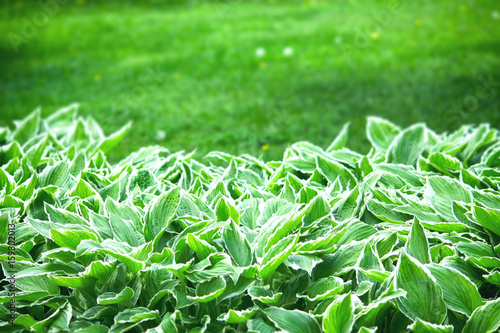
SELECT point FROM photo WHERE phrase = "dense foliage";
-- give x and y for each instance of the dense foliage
(404, 238)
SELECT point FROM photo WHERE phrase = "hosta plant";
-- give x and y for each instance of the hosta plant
(405, 238)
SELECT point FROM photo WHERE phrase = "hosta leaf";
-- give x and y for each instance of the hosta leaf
(442, 191)
(381, 133)
(324, 288)
(417, 245)
(27, 128)
(493, 278)
(70, 238)
(424, 298)
(459, 293)
(488, 218)
(238, 316)
(113, 298)
(110, 142)
(225, 210)
(56, 175)
(340, 141)
(302, 262)
(408, 145)
(201, 247)
(237, 245)
(264, 295)
(333, 170)
(207, 291)
(485, 318)
(276, 255)
(259, 325)
(124, 231)
(425, 327)
(339, 316)
(293, 321)
(129, 318)
(161, 212)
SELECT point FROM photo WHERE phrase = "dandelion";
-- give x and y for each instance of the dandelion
(287, 51)
(160, 135)
(260, 52)
(97, 77)
(265, 147)
(495, 15)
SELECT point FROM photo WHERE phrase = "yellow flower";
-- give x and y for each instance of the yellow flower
(374, 35)
(265, 147)
(97, 77)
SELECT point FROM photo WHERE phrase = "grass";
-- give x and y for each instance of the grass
(213, 93)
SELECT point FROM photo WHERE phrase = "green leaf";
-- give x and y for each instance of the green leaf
(325, 288)
(238, 316)
(417, 245)
(27, 128)
(129, 318)
(111, 141)
(160, 212)
(488, 218)
(333, 170)
(113, 298)
(424, 298)
(56, 175)
(485, 318)
(420, 326)
(201, 247)
(124, 231)
(293, 321)
(408, 145)
(340, 141)
(277, 255)
(442, 191)
(70, 238)
(225, 210)
(459, 293)
(381, 133)
(237, 245)
(339, 316)
(207, 291)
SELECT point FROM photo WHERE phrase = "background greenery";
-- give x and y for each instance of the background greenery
(212, 92)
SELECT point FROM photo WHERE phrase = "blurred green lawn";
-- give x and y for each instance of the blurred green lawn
(190, 68)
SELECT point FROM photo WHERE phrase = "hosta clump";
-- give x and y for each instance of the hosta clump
(403, 239)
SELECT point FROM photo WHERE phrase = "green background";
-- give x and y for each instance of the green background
(419, 62)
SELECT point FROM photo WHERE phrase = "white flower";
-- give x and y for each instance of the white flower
(338, 40)
(260, 52)
(160, 135)
(287, 51)
(495, 15)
